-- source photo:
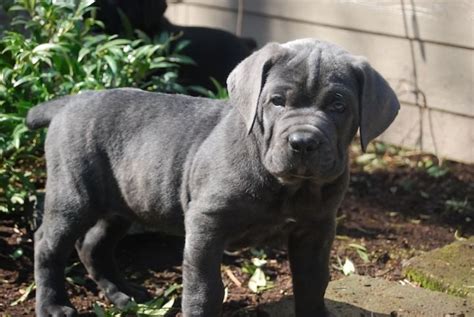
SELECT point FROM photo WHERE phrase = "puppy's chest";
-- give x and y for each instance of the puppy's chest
(287, 212)
(269, 233)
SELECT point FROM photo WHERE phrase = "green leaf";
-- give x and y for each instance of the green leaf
(75, 280)
(18, 253)
(170, 290)
(163, 37)
(162, 65)
(20, 129)
(201, 90)
(85, 3)
(112, 64)
(167, 306)
(25, 79)
(365, 159)
(10, 117)
(25, 295)
(16, 8)
(82, 53)
(182, 45)
(257, 280)
(17, 199)
(90, 41)
(363, 255)
(113, 43)
(437, 171)
(181, 59)
(48, 47)
(221, 92)
(258, 253)
(98, 310)
(357, 246)
(69, 3)
(6, 75)
(143, 36)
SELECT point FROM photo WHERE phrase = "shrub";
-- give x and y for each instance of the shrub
(52, 48)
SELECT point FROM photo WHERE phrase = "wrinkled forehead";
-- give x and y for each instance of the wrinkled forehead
(312, 66)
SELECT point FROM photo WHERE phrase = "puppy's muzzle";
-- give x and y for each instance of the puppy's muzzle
(303, 142)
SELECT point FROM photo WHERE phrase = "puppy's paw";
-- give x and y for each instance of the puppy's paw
(119, 299)
(56, 311)
(139, 293)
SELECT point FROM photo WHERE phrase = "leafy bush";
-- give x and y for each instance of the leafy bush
(51, 49)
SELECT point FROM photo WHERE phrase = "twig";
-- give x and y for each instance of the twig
(232, 277)
(384, 272)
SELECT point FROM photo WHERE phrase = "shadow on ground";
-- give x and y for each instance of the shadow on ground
(284, 308)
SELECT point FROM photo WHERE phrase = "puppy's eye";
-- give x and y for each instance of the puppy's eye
(337, 107)
(278, 100)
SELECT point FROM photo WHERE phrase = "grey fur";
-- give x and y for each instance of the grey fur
(40, 117)
(189, 166)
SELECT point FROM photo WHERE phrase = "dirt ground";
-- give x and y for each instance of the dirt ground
(397, 207)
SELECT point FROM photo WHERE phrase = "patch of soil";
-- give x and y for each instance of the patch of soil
(395, 212)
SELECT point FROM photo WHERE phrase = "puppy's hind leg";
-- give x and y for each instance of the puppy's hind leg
(54, 241)
(96, 251)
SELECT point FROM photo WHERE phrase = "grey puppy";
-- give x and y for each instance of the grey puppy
(272, 160)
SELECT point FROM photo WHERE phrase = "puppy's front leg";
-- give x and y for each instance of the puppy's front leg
(203, 289)
(309, 250)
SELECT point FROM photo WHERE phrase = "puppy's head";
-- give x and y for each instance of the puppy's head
(306, 99)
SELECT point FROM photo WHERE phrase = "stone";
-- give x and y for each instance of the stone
(448, 269)
(363, 296)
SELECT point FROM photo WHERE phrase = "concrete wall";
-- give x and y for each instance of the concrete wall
(424, 48)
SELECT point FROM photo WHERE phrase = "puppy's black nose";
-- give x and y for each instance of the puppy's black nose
(303, 141)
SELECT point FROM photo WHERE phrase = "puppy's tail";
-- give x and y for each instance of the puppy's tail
(41, 115)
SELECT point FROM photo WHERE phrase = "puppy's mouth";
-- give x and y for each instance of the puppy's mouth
(293, 179)
(303, 173)
(297, 175)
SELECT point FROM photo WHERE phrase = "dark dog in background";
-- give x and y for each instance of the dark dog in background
(216, 52)
(271, 161)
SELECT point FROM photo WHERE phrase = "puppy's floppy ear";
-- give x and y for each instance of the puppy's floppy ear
(378, 103)
(246, 81)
